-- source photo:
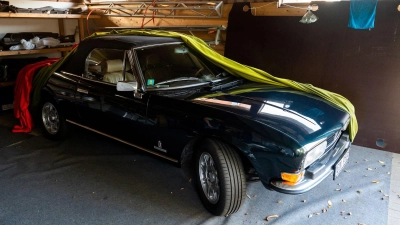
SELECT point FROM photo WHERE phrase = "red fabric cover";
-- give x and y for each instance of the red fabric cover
(22, 92)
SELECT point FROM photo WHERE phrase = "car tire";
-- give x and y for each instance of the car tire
(220, 177)
(52, 120)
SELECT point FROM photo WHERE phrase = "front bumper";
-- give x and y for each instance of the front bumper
(317, 172)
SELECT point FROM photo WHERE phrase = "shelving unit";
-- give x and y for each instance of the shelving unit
(7, 84)
(45, 16)
(34, 51)
(60, 18)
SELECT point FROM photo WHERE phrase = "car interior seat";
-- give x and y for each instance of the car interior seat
(113, 71)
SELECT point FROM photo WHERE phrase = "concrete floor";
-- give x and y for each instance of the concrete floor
(89, 179)
(394, 196)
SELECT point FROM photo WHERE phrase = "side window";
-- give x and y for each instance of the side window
(108, 65)
(174, 64)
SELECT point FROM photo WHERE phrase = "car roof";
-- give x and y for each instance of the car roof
(136, 40)
(76, 63)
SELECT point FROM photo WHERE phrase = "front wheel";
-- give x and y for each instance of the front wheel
(52, 120)
(220, 177)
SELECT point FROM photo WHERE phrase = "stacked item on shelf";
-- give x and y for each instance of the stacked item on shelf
(5, 7)
(34, 40)
(50, 10)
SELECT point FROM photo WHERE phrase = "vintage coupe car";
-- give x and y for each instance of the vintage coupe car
(163, 97)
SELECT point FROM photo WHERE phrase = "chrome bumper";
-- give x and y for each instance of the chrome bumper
(317, 172)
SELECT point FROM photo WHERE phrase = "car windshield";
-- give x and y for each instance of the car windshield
(174, 65)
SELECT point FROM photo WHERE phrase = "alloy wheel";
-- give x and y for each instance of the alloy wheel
(209, 178)
(50, 118)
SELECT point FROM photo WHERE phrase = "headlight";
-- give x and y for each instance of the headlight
(314, 153)
(346, 124)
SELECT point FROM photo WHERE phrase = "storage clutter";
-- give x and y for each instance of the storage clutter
(6, 7)
(34, 40)
(37, 43)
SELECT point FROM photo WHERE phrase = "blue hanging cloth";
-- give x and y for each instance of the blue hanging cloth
(362, 14)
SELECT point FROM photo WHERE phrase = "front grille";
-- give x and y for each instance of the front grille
(331, 140)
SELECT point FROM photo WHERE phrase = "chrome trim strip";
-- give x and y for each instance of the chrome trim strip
(155, 45)
(82, 90)
(84, 78)
(120, 96)
(125, 142)
(136, 70)
(65, 97)
(176, 88)
(69, 74)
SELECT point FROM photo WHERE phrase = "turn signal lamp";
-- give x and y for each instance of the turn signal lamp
(292, 177)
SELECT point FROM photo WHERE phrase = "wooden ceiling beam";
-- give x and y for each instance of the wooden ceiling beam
(271, 9)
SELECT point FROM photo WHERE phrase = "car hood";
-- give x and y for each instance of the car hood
(303, 117)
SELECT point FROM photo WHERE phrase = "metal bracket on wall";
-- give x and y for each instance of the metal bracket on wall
(190, 29)
(210, 9)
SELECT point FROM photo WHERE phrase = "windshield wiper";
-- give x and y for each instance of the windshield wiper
(177, 79)
(222, 74)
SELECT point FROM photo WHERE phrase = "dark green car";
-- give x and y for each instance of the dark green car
(163, 97)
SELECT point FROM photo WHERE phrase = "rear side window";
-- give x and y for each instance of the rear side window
(108, 65)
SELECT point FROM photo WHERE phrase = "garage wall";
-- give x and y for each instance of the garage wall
(362, 65)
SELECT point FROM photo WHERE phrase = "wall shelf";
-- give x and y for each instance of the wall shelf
(7, 84)
(35, 51)
(46, 16)
(60, 18)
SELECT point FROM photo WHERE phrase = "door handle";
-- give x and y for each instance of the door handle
(89, 99)
(82, 91)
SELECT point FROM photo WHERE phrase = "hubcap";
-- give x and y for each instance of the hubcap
(209, 177)
(50, 118)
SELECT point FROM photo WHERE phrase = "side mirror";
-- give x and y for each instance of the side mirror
(127, 86)
(181, 50)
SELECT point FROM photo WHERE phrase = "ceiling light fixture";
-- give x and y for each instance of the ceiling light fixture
(309, 17)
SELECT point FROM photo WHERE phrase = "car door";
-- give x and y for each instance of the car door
(170, 73)
(63, 86)
(168, 118)
(104, 109)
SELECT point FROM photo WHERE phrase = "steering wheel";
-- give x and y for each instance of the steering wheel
(198, 71)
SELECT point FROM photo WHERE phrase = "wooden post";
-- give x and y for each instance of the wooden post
(81, 29)
(61, 31)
